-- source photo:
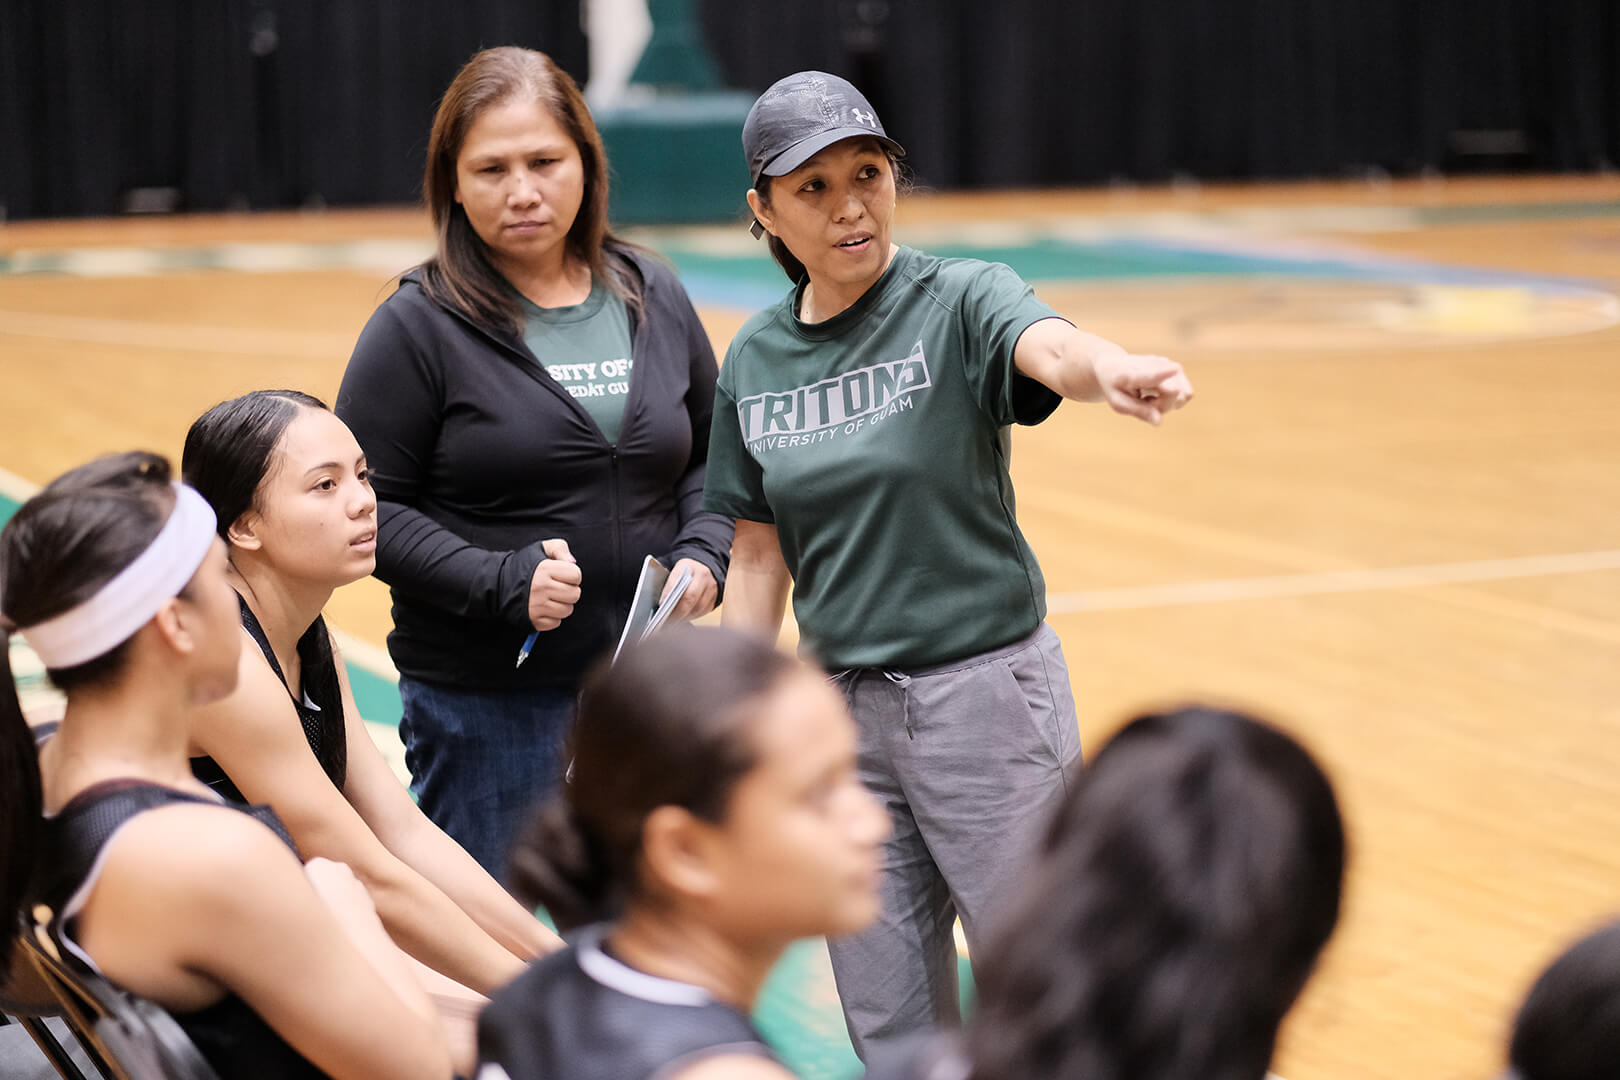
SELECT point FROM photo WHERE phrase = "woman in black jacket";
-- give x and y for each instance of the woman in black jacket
(534, 403)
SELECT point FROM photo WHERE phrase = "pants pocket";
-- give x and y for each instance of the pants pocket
(1042, 679)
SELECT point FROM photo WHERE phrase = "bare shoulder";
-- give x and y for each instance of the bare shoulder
(255, 679)
(256, 724)
(259, 698)
(734, 1067)
(197, 854)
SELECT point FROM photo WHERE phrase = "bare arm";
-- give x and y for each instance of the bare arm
(256, 738)
(758, 582)
(203, 896)
(1085, 367)
(383, 803)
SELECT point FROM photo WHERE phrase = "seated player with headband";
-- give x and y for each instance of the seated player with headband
(114, 576)
(293, 496)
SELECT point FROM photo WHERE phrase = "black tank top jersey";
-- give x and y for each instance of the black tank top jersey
(580, 1014)
(320, 712)
(236, 1042)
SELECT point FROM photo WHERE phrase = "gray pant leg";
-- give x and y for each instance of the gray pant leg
(898, 975)
(971, 763)
(996, 747)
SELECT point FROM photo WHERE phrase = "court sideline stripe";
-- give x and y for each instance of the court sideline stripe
(15, 487)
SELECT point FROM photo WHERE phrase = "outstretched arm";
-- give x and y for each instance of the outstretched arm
(1085, 367)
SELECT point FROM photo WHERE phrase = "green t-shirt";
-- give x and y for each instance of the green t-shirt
(586, 348)
(877, 442)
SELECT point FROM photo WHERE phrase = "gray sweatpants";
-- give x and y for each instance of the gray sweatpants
(971, 760)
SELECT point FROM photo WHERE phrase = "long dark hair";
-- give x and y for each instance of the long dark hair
(1569, 1025)
(63, 545)
(665, 726)
(460, 275)
(1178, 905)
(230, 450)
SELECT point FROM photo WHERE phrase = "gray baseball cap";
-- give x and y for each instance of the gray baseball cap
(801, 115)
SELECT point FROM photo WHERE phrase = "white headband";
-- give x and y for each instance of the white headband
(129, 600)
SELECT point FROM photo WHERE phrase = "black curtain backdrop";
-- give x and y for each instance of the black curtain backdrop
(239, 103)
(992, 93)
(267, 103)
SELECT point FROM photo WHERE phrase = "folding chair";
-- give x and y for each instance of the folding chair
(26, 1000)
(128, 1037)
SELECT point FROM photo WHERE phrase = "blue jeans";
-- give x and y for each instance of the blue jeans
(481, 759)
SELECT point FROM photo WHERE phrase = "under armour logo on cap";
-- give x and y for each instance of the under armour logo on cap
(801, 115)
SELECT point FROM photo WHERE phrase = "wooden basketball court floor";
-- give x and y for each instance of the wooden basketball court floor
(1390, 522)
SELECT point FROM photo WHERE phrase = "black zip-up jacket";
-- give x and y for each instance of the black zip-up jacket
(478, 456)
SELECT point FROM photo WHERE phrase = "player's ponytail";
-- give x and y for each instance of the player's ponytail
(57, 551)
(555, 865)
(665, 726)
(20, 806)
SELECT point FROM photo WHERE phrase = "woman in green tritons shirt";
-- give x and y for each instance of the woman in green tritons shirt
(861, 442)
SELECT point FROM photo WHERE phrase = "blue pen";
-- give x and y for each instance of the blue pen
(534, 635)
(528, 643)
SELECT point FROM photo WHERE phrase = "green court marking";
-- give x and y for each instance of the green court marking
(376, 695)
(1043, 258)
(799, 1016)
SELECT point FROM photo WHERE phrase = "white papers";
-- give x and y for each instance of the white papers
(646, 613)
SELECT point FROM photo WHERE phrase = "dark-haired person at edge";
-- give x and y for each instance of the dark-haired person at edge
(276, 970)
(714, 816)
(291, 492)
(534, 402)
(1176, 908)
(1568, 1027)
(861, 441)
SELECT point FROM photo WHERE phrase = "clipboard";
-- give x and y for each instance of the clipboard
(646, 613)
